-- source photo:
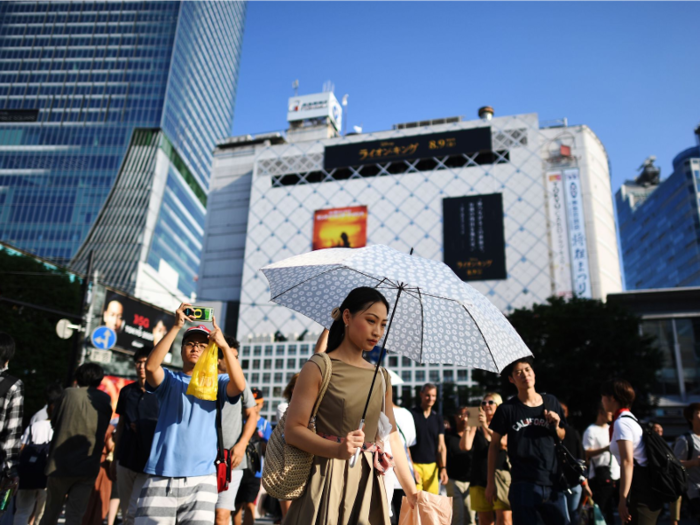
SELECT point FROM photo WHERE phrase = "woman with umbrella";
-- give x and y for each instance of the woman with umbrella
(336, 492)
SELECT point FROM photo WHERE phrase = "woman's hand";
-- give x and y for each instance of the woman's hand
(490, 493)
(623, 511)
(412, 498)
(482, 419)
(353, 441)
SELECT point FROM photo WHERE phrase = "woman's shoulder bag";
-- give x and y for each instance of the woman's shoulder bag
(286, 469)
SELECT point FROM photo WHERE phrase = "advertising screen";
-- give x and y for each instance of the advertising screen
(136, 324)
(474, 237)
(340, 228)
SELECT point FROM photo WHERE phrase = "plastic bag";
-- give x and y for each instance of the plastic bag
(205, 376)
(431, 509)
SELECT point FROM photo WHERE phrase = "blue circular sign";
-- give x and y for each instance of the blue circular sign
(103, 338)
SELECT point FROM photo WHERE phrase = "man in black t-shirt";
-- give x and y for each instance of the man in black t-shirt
(429, 453)
(530, 421)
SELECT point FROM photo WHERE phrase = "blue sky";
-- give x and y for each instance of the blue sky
(630, 71)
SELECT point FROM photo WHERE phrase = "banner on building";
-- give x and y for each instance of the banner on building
(578, 246)
(560, 234)
(113, 385)
(468, 141)
(136, 324)
(474, 237)
(340, 228)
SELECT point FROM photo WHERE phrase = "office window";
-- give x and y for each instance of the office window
(420, 376)
(265, 391)
(268, 350)
(267, 365)
(290, 375)
(435, 376)
(255, 379)
(245, 352)
(393, 361)
(405, 361)
(279, 364)
(257, 350)
(304, 350)
(406, 375)
(266, 377)
(256, 364)
(275, 404)
(462, 375)
(279, 350)
(292, 350)
(448, 376)
(244, 364)
(278, 377)
(277, 391)
(291, 363)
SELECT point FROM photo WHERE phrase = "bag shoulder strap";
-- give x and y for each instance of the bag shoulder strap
(327, 371)
(219, 432)
(691, 445)
(8, 382)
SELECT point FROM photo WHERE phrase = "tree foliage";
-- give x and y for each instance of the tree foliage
(41, 357)
(578, 344)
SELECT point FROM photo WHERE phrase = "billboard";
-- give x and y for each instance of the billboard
(456, 142)
(560, 234)
(340, 228)
(474, 237)
(113, 385)
(136, 324)
(577, 234)
(318, 105)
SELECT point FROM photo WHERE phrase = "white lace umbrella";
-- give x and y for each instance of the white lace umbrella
(438, 319)
(435, 318)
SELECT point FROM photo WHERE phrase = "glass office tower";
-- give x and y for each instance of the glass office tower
(659, 225)
(77, 78)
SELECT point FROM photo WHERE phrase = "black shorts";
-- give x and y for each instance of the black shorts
(249, 488)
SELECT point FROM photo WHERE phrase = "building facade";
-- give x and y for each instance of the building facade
(659, 225)
(520, 211)
(76, 80)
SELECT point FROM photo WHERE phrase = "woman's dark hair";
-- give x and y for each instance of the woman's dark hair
(89, 374)
(359, 300)
(620, 390)
(287, 394)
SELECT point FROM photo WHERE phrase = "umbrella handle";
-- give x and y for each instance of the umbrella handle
(353, 460)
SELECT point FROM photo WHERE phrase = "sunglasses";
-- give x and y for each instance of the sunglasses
(489, 402)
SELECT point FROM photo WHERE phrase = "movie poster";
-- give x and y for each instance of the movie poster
(474, 237)
(136, 324)
(113, 385)
(340, 228)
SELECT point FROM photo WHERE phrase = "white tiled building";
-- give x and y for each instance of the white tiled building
(265, 190)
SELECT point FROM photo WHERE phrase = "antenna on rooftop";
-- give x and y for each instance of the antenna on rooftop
(295, 87)
(328, 87)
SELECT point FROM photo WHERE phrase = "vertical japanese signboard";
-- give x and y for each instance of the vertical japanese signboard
(560, 234)
(474, 237)
(577, 234)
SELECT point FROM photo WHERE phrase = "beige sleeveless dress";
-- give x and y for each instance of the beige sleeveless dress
(336, 493)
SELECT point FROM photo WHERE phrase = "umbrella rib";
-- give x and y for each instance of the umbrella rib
(482, 336)
(422, 323)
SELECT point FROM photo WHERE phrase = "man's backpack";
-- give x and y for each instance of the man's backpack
(32, 464)
(669, 479)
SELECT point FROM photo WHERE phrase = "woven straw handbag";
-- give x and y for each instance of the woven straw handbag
(286, 469)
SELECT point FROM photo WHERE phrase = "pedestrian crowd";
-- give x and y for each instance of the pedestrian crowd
(513, 461)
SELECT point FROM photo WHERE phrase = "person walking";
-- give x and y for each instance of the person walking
(236, 438)
(138, 413)
(638, 503)
(459, 464)
(337, 493)
(181, 486)
(11, 413)
(429, 453)
(577, 487)
(687, 450)
(603, 469)
(80, 423)
(530, 420)
(477, 439)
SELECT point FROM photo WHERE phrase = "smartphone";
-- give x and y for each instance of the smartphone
(473, 420)
(200, 313)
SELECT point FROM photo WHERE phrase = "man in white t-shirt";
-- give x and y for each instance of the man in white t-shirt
(604, 471)
(407, 431)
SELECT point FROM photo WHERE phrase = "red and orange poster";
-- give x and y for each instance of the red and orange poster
(340, 228)
(112, 385)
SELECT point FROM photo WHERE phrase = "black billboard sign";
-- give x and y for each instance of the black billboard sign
(468, 141)
(19, 115)
(136, 324)
(474, 237)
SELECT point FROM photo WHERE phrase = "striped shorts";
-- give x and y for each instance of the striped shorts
(167, 501)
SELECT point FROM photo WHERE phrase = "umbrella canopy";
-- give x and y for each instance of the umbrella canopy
(438, 319)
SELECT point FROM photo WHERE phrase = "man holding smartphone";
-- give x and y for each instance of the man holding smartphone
(181, 487)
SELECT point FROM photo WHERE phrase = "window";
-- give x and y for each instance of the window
(393, 361)
(291, 363)
(420, 376)
(448, 376)
(244, 364)
(245, 351)
(279, 350)
(435, 376)
(279, 364)
(277, 391)
(268, 350)
(292, 350)
(257, 350)
(290, 375)
(267, 365)
(304, 350)
(278, 377)
(405, 361)
(265, 391)
(462, 375)
(406, 375)
(275, 404)
(256, 364)
(266, 377)
(255, 379)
